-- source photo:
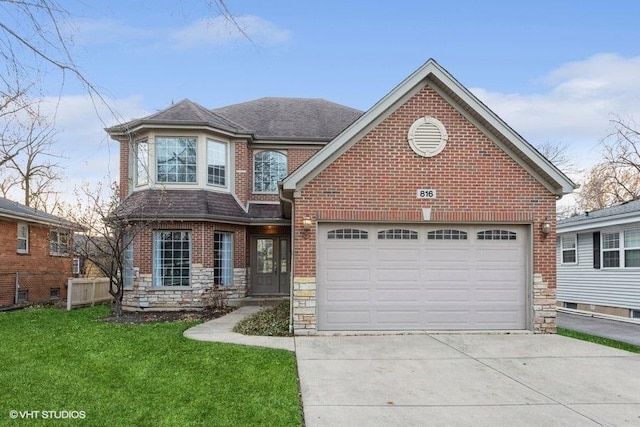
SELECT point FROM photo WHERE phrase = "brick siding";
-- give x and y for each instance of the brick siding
(38, 271)
(377, 178)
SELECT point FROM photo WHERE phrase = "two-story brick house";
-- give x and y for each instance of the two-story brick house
(35, 254)
(425, 212)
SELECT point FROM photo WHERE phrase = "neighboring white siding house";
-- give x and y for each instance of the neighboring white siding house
(598, 261)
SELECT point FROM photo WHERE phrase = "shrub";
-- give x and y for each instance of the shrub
(272, 322)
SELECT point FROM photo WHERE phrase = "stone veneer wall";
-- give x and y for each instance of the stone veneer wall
(200, 295)
(304, 305)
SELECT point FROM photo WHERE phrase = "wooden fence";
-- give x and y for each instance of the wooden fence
(87, 291)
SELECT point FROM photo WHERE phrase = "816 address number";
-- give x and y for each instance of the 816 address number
(426, 193)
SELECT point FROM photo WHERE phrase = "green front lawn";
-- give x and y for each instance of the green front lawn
(599, 340)
(136, 375)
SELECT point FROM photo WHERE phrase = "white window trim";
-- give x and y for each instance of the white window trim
(136, 163)
(227, 166)
(255, 153)
(22, 225)
(157, 276)
(230, 236)
(620, 249)
(197, 162)
(59, 233)
(574, 249)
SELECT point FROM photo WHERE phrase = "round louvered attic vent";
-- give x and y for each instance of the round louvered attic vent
(427, 136)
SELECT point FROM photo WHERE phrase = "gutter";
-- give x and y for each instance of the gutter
(291, 267)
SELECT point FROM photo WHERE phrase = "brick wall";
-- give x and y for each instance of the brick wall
(38, 271)
(376, 180)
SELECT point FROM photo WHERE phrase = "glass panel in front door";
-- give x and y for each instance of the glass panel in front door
(265, 255)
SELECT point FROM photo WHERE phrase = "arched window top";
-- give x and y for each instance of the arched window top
(348, 234)
(269, 167)
(397, 234)
(497, 235)
(447, 234)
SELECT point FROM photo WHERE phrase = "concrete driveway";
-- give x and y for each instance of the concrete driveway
(466, 379)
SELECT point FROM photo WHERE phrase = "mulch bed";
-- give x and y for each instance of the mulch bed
(138, 317)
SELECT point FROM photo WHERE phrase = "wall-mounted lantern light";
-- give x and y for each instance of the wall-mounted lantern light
(306, 223)
(546, 227)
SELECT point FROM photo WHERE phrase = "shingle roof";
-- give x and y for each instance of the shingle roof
(291, 118)
(630, 207)
(185, 112)
(267, 118)
(15, 210)
(194, 205)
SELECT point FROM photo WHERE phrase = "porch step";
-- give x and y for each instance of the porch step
(266, 301)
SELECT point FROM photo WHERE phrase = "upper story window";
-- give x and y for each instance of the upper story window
(59, 242)
(269, 167)
(23, 238)
(216, 163)
(142, 162)
(569, 249)
(621, 249)
(176, 159)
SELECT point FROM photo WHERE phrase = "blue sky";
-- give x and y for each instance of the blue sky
(554, 70)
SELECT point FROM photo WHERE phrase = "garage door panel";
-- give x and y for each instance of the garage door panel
(401, 318)
(397, 295)
(452, 275)
(348, 316)
(391, 255)
(438, 252)
(347, 295)
(508, 254)
(347, 255)
(502, 295)
(341, 274)
(423, 284)
(397, 275)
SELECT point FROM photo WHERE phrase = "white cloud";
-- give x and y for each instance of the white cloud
(220, 30)
(576, 108)
(87, 154)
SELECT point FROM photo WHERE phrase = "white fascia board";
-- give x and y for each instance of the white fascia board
(596, 224)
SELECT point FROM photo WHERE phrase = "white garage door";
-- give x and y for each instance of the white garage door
(418, 277)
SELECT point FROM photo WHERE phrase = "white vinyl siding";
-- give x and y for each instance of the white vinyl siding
(584, 284)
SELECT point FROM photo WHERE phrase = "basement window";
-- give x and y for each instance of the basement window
(571, 305)
(635, 314)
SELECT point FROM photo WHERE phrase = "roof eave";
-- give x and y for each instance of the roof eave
(559, 183)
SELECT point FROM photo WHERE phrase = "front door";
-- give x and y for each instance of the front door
(270, 260)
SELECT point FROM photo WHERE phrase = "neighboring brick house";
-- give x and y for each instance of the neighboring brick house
(427, 212)
(35, 259)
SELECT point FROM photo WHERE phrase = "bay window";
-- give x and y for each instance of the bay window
(176, 159)
(216, 163)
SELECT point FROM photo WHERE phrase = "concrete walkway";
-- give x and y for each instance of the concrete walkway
(220, 330)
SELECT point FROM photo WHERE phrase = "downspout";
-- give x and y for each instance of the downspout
(291, 267)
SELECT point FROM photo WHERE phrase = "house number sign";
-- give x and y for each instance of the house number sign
(426, 193)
